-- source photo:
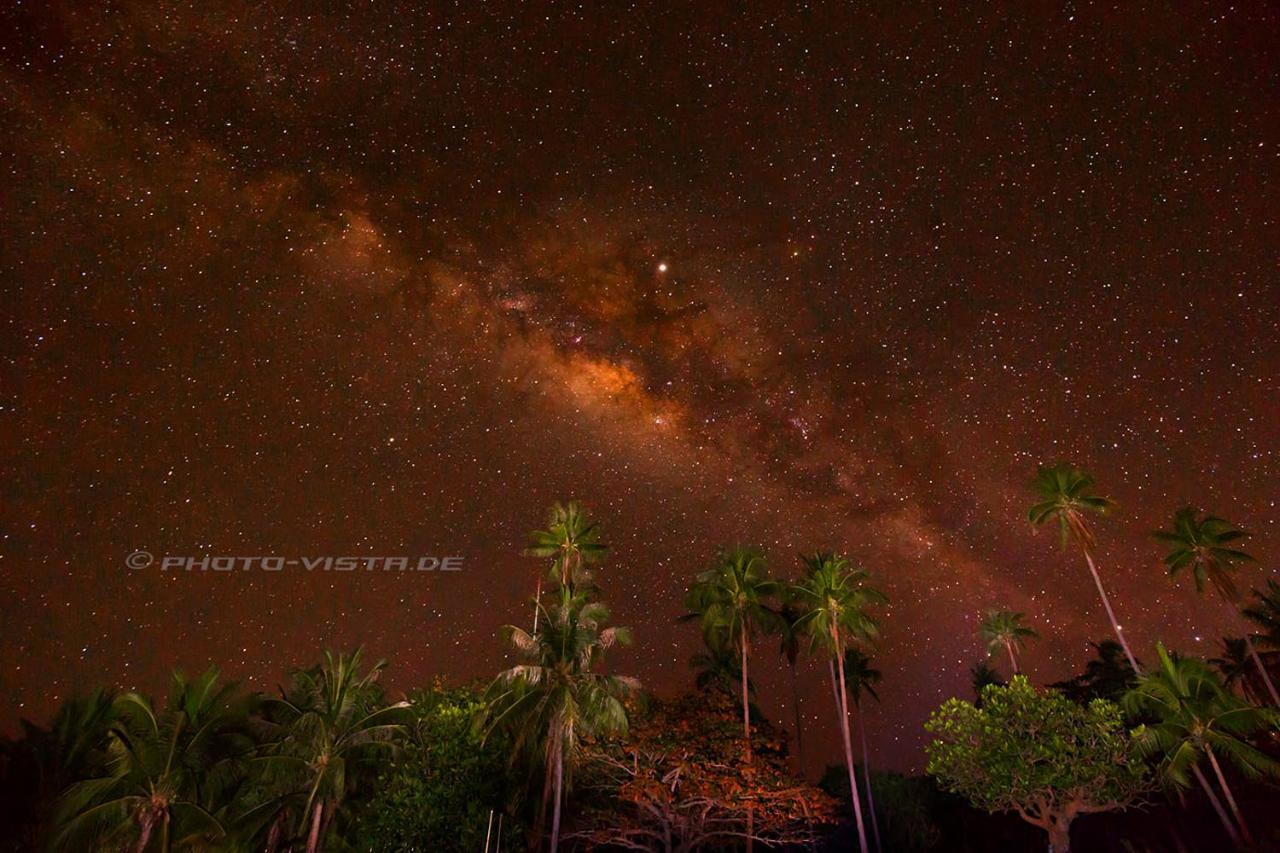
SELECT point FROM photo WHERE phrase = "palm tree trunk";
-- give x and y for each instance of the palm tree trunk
(1262, 670)
(795, 704)
(164, 833)
(1013, 661)
(313, 837)
(866, 777)
(555, 815)
(1111, 614)
(144, 831)
(537, 598)
(1232, 832)
(1226, 789)
(746, 736)
(843, 708)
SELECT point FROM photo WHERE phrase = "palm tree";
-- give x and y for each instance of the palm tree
(834, 598)
(1066, 496)
(1197, 717)
(571, 541)
(789, 636)
(553, 699)
(1003, 629)
(169, 770)
(1204, 545)
(730, 601)
(330, 722)
(862, 677)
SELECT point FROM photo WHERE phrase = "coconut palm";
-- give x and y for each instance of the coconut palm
(1196, 718)
(1002, 630)
(1204, 545)
(553, 699)
(1067, 497)
(328, 726)
(862, 677)
(170, 771)
(571, 541)
(834, 598)
(731, 603)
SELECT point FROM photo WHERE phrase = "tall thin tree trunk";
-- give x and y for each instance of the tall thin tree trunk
(1232, 832)
(1226, 789)
(848, 744)
(866, 777)
(537, 599)
(144, 831)
(1262, 670)
(1013, 661)
(746, 736)
(313, 837)
(795, 704)
(1111, 614)
(555, 815)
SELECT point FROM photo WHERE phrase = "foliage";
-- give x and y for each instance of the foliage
(571, 540)
(1204, 545)
(1066, 494)
(1003, 630)
(675, 783)
(1036, 753)
(439, 791)
(169, 773)
(1265, 613)
(1194, 713)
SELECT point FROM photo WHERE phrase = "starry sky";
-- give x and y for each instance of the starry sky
(389, 278)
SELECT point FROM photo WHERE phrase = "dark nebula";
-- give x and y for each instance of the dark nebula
(389, 278)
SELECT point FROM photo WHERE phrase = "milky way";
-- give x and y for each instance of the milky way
(390, 280)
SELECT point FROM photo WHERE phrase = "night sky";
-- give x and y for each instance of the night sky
(388, 279)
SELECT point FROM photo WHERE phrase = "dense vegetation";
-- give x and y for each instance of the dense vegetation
(556, 752)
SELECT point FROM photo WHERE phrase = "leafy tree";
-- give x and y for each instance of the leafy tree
(717, 667)
(731, 602)
(1003, 630)
(553, 699)
(1066, 496)
(170, 771)
(673, 783)
(1265, 613)
(907, 804)
(571, 541)
(1236, 667)
(1196, 718)
(1204, 545)
(834, 598)
(329, 728)
(439, 791)
(1038, 754)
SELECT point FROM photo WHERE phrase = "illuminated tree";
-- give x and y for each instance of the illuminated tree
(834, 597)
(553, 699)
(571, 541)
(673, 783)
(731, 602)
(1203, 546)
(1197, 718)
(1002, 630)
(1066, 496)
(1038, 754)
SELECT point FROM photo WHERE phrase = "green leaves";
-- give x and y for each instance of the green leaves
(1201, 543)
(833, 599)
(1035, 752)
